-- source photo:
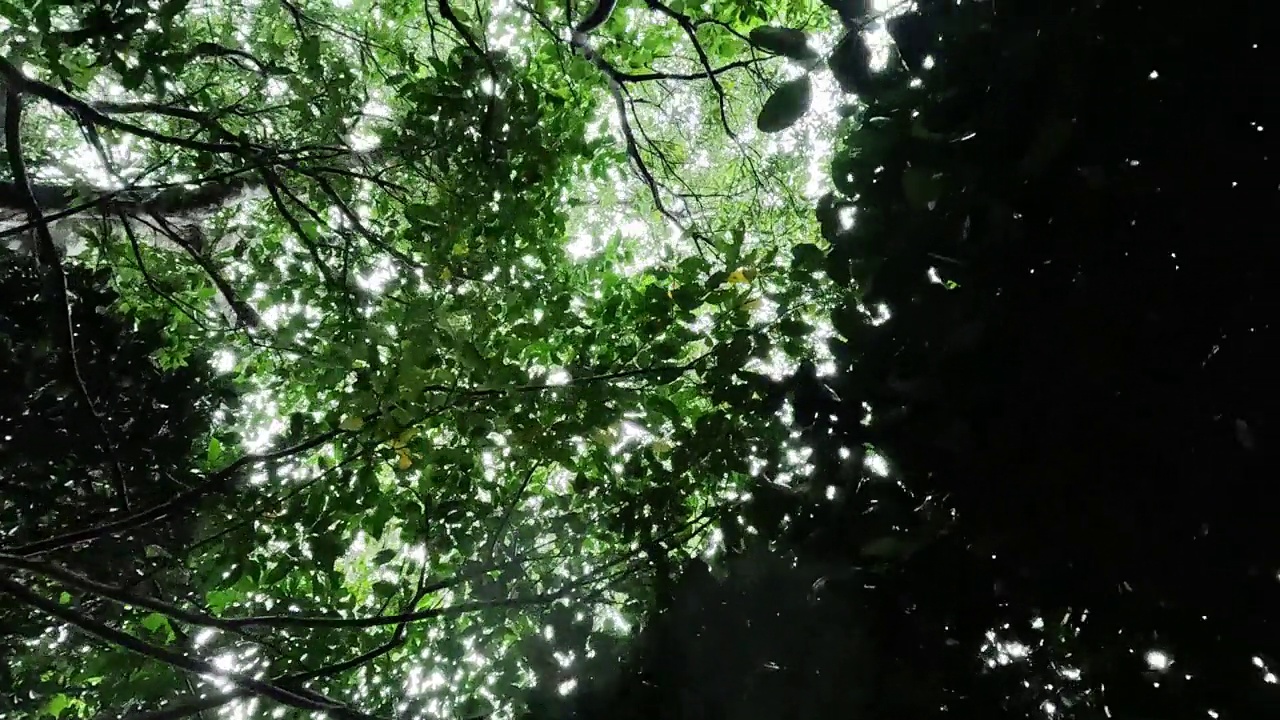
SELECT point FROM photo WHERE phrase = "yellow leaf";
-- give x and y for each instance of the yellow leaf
(351, 422)
(405, 461)
(738, 276)
(404, 438)
(446, 275)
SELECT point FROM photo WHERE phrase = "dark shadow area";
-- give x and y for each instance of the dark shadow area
(1068, 223)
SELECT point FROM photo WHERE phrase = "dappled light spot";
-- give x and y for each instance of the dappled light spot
(1158, 660)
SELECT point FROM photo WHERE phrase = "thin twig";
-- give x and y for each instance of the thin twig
(185, 308)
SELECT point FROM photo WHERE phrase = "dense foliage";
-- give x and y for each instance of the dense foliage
(485, 328)
(60, 473)
(726, 360)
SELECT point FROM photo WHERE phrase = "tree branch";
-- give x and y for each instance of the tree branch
(245, 314)
(275, 188)
(237, 625)
(288, 682)
(686, 24)
(186, 309)
(85, 112)
(506, 515)
(143, 517)
(124, 640)
(55, 280)
(651, 76)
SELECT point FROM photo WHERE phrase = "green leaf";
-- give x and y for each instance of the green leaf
(154, 622)
(385, 556)
(214, 452)
(376, 523)
(282, 34)
(159, 624)
(57, 704)
(218, 600)
(278, 573)
(734, 252)
(687, 297)
(665, 407)
(310, 49)
(787, 42)
(787, 105)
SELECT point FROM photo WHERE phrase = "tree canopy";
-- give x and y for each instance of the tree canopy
(412, 360)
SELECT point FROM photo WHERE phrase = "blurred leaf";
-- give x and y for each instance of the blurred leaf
(277, 573)
(157, 623)
(922, 187)
(56, 705)
(788, 42)
(850, 62)
(807, 257)
(786, 106)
